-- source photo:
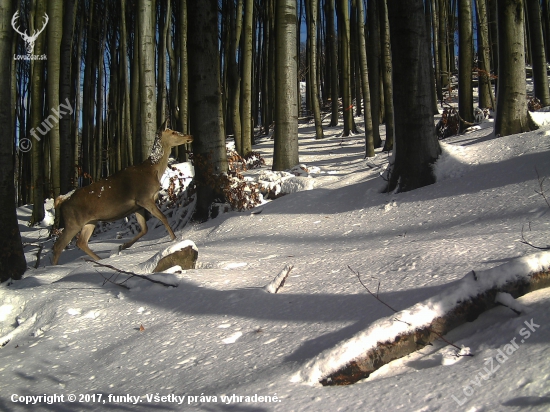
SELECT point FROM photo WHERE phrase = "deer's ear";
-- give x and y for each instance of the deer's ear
(163, 127)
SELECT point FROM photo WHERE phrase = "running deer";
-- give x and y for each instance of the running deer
(132, 190)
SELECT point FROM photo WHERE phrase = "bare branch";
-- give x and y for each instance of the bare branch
(395, 311)
(131, 274)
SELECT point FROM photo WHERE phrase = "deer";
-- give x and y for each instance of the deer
(131, 190)
(29, 40)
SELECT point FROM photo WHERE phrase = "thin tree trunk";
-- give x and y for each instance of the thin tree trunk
(246, 94)
(387, 75)
(465, 63)
(312, 10)
(126, 123)
(147, 75)
(345, 65)
(285, 154)
(333, 58)
(443, 59)
(373, 58)
(66, 52)
(37, 116)
(486, 96)
(538, 55)
(363, 67)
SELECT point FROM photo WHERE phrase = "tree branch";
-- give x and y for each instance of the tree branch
(131, 274)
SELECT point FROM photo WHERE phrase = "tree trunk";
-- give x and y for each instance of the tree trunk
(37, 117)
(55, 12)
(66, 52)
(417, 147)
(333, 58)
(205, 108)
(373, 58)
(312, 10)
(486, 96)
(234, 78)
(345, 65)
(165, 17)
(435, 45)
(285, 154)
(128, 159)
(443, 59)
(147, 75)
(12, 258)
(511, 110)
(538, 55)
(465, 63)
(387, 75)
(363, 67)
(183, 89)
(247, 130)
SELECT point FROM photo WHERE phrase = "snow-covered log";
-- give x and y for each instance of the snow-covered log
(183, 254)
(414, 328)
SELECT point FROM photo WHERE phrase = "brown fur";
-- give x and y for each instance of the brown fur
(132, 190)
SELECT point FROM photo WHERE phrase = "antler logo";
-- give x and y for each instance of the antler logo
(29, 40)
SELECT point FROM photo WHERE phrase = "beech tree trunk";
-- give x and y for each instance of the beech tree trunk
(417, 146)
(205, 103)
(285, 155)
(12, 258)
(465, 62)
(147, 97)
(511, 110)
(538, 54)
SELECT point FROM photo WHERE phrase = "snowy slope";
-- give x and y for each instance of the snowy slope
(220, 334)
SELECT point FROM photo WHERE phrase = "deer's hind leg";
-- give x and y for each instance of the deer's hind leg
(85, 235)
(140, 217)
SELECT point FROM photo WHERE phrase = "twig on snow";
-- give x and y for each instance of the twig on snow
(395, 311)
(131, 274)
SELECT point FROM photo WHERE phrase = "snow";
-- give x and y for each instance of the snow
(216, 341)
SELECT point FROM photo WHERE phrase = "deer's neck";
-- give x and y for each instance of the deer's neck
(159, 158)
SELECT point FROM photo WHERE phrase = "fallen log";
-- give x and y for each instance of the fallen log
(414, 328)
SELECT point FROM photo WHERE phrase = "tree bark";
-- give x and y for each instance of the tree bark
(538, 54)
(66, 52)
(312, 10)
(12, 258)
(387, 75)
(205, 108)
(373, 58)
(247, 129)
(417, 146)
(486, 96)
(511, 110)
(285, 154)
(363, 66)
(147, 75)
(345, 65)
(465, 63)
(332, 51)
(37, 117)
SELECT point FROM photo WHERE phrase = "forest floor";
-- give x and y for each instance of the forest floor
(223, 344)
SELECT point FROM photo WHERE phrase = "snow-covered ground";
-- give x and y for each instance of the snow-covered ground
(220, 342)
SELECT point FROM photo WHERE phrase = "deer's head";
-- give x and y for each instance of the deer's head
(165, 139)
(29, 40)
